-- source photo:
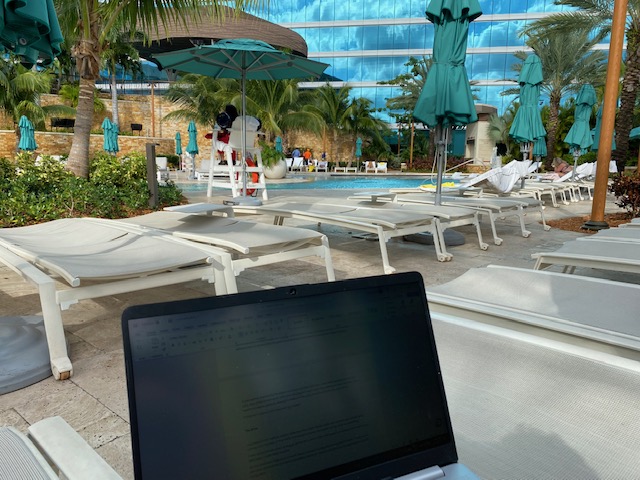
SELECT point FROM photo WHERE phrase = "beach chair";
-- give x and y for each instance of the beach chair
(593, 253)
(52, 450)
(568, 308)
(251, 244)
(96, 258)
(298, 165)
(322, 166)
(370, 167)
(385, 224)
(203, 170)
(381, 167)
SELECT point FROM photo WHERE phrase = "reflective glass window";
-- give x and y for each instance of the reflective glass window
(370, 38)
(417, 36)
(385, 37)
(369, 66)
(327, 11)
(400, 36)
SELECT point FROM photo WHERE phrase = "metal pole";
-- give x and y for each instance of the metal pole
(152, 177)
(596, 222)
(441, 158)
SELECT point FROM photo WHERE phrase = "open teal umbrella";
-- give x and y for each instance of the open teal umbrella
(446, 98)
(110, 134)
(527, 125)
(27, 135)
(242, 59)
(30, 29)
(579, 137)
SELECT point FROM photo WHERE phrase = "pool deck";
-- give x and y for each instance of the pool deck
(94, 400)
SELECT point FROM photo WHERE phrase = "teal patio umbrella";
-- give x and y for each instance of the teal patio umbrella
(278, 145)
(358, 151)
(178, 144)
(30, 29)
(579, 137)
(110, 134)
(27, 135)
(596, 133)
(446, 98)
(241, 59)
(192, 147)
(527, 125)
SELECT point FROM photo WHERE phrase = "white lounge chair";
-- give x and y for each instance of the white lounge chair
(110, 257)
(298, 165)
(385, 224)
(370, 166)
(532, 398)
(616, 234)
(203, 170)
(381, 167)
(565, 307)
(52, 450)
(599, 254)
(252, 244)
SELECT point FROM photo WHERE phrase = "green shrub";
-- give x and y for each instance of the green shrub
(34, 192)
(626, 188)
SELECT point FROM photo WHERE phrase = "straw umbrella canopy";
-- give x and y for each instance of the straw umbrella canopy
(446, 98)
(241, 59)
(527, 125)
(27, 135)
(579, 137)
(30, 30)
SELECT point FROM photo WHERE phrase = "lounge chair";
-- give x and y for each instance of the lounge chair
(552, 408)
(252, 244)
(52, 450)
(385, 224)
(616, 234)
(370, 166)
(203, 170)
(599, 254)
(569, 308)
(493, 208)
(110, 257)
(298, 165)
(381, 167)
(449, 216)
(322, 166)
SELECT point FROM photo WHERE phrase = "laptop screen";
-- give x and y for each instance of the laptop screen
(311, 381)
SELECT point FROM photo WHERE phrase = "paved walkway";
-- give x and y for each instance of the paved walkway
(94, 401)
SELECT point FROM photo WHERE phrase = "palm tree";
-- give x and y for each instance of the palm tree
(201, 98)
(120, 52)
(567, 62)
(499, 125)
(20, 91)
(333, 106)
(281, 106)
(597, 15)
(363, 122)
(89, 24)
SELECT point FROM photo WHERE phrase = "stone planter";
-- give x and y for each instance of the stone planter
(274, 172)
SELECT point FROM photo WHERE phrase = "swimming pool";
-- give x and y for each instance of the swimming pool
(347, 182)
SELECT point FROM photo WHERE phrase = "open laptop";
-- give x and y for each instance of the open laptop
(333, 380)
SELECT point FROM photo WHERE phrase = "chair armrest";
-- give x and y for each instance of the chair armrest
(68, 452)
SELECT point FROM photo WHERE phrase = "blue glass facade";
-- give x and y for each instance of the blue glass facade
(368, 41)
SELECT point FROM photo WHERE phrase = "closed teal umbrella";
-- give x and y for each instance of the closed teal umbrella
(30, 29)
(27, 135)
(178, 144)
(446, 98)
(527, 125)
(243, 59)
(278, 145)
(579, 137)
(358, 147)
(192, 148)
(596, 133)
(110, 136)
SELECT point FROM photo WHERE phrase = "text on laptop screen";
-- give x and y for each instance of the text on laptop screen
(281, 388)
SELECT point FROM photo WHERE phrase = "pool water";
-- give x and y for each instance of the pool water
(321, 183)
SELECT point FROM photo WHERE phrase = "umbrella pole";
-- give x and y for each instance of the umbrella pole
(442, 135)
(244, 134)
(576, 154)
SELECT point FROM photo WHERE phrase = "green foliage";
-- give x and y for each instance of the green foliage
(626, 188)
(270, 156)
(41, 191)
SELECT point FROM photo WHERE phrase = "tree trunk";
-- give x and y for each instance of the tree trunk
(78, 161)
(552, 128)
(114, 101)
(628, 94)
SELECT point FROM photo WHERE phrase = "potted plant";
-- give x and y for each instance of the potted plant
(273, 162)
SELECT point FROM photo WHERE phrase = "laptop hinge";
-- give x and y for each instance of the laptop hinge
(430, 473)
